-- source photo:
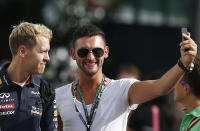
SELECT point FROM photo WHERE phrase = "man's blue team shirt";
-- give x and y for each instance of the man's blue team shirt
(21, 108)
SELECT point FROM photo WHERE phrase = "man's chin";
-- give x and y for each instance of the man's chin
(91, 73)
(39, 73)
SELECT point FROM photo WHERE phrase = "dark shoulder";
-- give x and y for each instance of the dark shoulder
(46, 88)
(47, 93)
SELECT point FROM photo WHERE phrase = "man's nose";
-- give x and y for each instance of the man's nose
(46, 57)
(90, 55)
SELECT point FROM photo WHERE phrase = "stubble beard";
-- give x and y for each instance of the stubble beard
(87, 72)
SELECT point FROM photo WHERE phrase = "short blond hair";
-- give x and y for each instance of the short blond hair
(26, 34)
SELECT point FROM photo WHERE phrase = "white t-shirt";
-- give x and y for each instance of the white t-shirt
(112, 112)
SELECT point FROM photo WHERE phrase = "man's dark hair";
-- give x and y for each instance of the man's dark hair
(87, 31)
(193, 77)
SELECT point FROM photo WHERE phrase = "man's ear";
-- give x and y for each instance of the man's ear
(106, 52)
(187, 89)
(22, 50)
(72, 53)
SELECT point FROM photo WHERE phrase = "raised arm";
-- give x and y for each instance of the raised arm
(143, 91)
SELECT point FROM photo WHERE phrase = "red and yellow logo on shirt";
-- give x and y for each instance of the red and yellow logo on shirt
(55, 113)
(0, 81)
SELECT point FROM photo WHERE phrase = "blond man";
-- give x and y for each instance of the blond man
(26, 101)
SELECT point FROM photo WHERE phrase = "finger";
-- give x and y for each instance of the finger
(184, 42)
(188, 47)
(191, 53)
(188, 34)
(188, 53)
(187, 42)
(187, 37)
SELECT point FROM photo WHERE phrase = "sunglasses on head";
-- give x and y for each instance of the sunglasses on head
(97, 52)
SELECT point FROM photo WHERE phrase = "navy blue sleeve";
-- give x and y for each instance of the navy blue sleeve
(49, 114)
(49, 118)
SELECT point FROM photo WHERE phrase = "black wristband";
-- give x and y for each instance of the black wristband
(180, 64)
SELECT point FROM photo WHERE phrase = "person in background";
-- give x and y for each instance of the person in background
(187, 92)
(129, 71)
(27, 103)
(97, 103)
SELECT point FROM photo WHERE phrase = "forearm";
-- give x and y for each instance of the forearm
(168, 80)
(143, 91)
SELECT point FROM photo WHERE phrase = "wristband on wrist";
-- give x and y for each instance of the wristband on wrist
(181, 65)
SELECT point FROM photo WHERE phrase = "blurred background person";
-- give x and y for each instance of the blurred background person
(129, 71)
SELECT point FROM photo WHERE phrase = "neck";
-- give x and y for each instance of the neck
(16, 72)
(90, 82)
(89, 86)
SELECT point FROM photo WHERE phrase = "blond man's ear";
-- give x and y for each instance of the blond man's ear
(22, 50)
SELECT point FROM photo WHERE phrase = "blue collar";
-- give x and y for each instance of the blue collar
(5, 80)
